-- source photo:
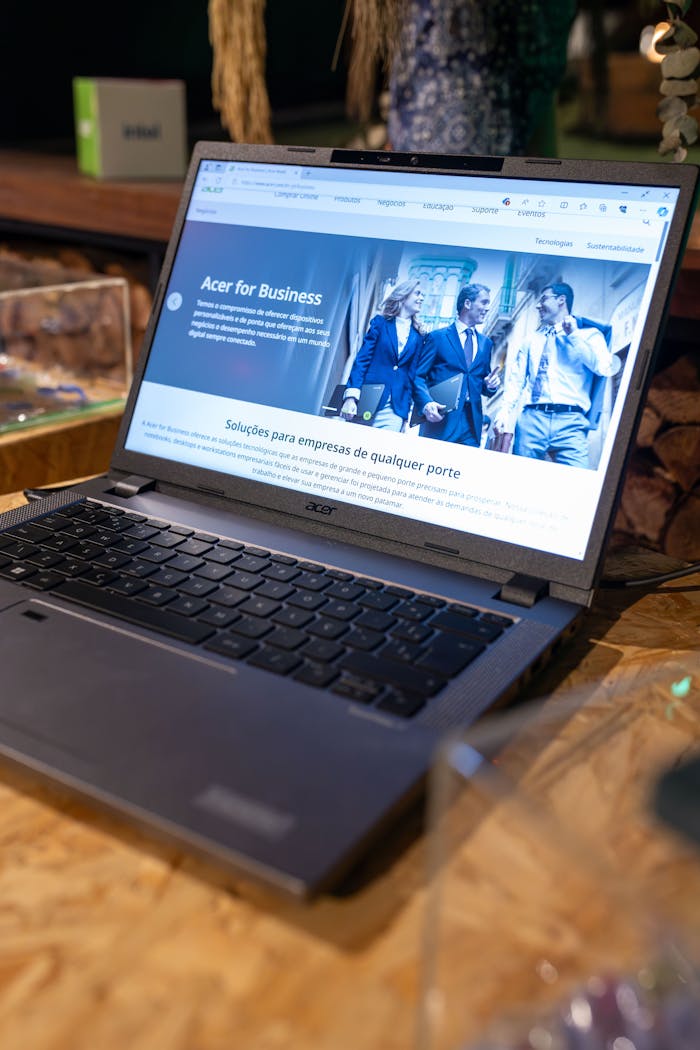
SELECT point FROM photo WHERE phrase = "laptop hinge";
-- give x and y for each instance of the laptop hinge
(523, 590)
(133, 485)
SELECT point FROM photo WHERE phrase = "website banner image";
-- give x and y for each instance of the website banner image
(334, 365)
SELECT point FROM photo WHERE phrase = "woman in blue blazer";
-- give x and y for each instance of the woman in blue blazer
(389, 356)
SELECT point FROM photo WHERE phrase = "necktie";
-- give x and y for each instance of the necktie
(468, 345)
(550, 343)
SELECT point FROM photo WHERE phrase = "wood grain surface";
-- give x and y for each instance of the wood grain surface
(49, 453)
(43, 189)
(108, 942)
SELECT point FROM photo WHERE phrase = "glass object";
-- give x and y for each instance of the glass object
(560, 912)
(65, 346)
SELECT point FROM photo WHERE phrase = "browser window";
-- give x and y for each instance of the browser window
(279, 271)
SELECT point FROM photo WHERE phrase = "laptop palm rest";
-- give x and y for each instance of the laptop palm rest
(197, 752)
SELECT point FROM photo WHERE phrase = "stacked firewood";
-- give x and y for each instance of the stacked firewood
(660, 505)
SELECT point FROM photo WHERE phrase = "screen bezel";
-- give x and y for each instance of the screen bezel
(435, 543)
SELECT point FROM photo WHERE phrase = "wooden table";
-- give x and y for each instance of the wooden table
(108, 942)
(48, 453)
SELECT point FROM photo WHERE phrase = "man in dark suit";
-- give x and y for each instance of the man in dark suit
(457, 349)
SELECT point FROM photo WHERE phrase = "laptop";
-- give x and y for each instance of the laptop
(367, 403)
(445, 393)
(257, 626)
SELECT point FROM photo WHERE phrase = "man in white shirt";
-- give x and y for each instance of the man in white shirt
(547, 393)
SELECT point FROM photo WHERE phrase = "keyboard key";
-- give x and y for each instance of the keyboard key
(20, 549)
(323, 651)
(357, 689)
(29, 531)
(157, 595)
(218, 616)
(407, 652)
(212, 570)
(449, 654)
(292, 617)
(286, 638)
(229, 645)
(245, 581)
(404, 705)
(346, 592)
(412, 632)
(185, 562)
(281, 572)
(275, 590)
(140, 568)
(71, 566)
(134, 611)
(45, 580)
(252, 627)
(324, 628)
(130, 546)
(58, 542)
(44, 559)
(363, 638)
(197, 587)
(447, 620)
(276, 660)
(402, 676)
(227, 596)
(307, 600)
(128, 585)
(166, 539)
(17, 571)
(312, 581)
(194, 547)
(378, 600)
(399, 592)
(375, 621)
(156, 554)
(340, 610)
(98, 577)
(188, 606)
(168, 577)
(411, 611)
(319, 675)
(221, 555)
(111, 560)
(258, 606)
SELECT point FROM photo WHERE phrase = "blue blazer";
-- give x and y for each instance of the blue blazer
(443, 357)
(378, 361)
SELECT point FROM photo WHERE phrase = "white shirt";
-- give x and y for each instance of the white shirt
(403, 328)
(573, 362)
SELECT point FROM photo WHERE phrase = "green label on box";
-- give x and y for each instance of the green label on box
(87, 127)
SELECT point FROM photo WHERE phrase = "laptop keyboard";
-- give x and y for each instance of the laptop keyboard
(364, 639)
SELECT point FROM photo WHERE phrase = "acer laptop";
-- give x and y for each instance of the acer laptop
(256, 627)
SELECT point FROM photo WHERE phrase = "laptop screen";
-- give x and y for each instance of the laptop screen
(290, 281)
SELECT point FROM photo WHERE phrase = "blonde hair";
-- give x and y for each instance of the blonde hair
(391, 307)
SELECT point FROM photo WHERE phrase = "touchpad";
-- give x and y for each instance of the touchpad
(98, 690)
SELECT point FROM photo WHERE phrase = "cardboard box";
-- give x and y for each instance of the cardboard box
(130, 128)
